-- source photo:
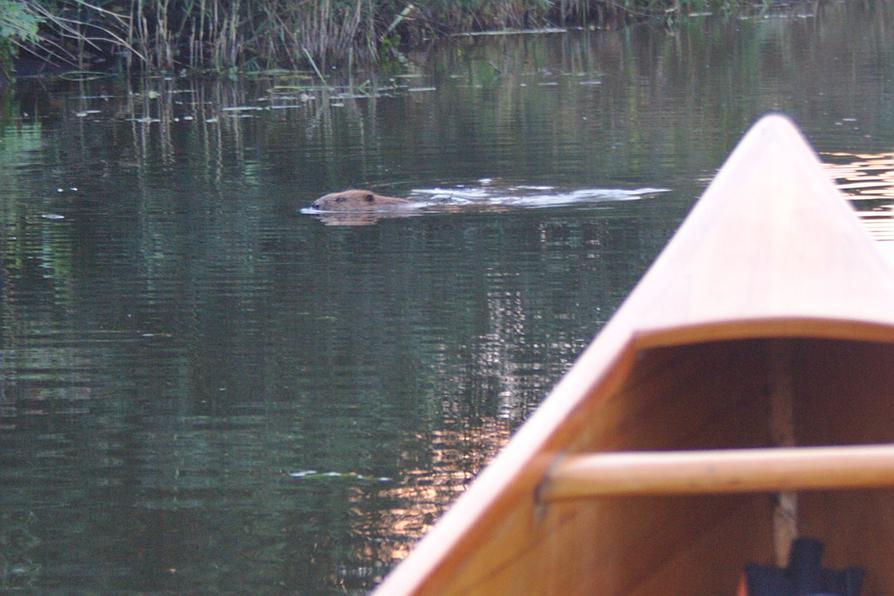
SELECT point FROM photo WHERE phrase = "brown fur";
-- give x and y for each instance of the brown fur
(356, 200)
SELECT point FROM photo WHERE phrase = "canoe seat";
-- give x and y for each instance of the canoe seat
(719, 471)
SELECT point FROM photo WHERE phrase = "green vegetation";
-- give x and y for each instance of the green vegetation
(228, 35)
(18, 26)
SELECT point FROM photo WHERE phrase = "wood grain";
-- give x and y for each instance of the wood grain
(719, 471)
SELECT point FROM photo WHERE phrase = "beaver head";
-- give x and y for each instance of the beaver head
(355, 200)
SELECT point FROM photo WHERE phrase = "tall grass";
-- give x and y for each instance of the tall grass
(219, 35)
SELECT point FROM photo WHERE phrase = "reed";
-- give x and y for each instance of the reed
(222, 35)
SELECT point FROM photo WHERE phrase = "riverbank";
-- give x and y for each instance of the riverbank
(220, 36)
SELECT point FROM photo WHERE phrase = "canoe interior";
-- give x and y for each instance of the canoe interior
(709, 395)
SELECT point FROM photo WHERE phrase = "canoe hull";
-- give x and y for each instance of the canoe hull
(664, 545)
(788, 340)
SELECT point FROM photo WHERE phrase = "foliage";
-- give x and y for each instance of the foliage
(17, 26)
(16, 22)
(222, 35)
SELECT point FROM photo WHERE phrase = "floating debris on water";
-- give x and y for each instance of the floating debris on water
(303, 473)
(510, 32)
(314, 474)
(52, 216)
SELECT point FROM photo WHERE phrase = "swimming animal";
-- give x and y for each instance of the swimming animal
(356, 200)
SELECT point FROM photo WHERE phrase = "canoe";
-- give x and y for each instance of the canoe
(742, 396)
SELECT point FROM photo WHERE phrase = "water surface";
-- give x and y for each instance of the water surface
(204, 389)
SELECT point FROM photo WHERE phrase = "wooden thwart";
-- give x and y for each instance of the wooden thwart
(719, 471)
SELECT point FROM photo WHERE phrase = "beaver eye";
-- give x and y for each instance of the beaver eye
(339, 199)
(370, 198)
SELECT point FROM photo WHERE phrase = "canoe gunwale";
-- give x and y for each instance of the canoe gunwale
(855, 330)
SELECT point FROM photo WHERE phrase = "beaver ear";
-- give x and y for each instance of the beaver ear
(370, 198)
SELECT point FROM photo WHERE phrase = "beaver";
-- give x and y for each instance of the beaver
(356, 200)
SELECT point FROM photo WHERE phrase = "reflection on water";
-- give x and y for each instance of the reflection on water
(868, 176)
(457, 453)
(179, 345)
(868, 180)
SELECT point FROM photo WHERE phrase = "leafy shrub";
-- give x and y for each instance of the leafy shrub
(18, 25)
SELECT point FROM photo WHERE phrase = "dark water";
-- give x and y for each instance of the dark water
(203, 389)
